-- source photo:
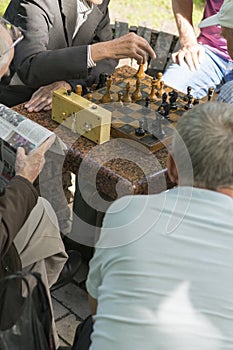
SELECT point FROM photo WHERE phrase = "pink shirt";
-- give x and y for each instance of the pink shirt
(211, 35)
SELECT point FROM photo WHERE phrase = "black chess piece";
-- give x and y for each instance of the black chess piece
(189, 104)
(210, 93)
(140, 130)
(102, 80)
(196, 101)
(165, 105)
(147, 104)
(173, 98)
(158, 131)
(188, 95)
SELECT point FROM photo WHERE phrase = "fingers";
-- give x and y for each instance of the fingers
(131, 46)
(20, 154)
(42, 98)
(41, 103)
(192, 56)
(44, 146)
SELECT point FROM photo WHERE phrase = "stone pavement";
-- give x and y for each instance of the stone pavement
(71, 306)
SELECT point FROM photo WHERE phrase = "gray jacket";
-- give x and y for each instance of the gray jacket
(48, 53)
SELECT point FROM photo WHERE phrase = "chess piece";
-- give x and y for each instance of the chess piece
(187, 96)
(102, 80)
(78, 90)
(165, 105)
(196, 101)
(153, 90)
(140, 73)
(126, 98)
(140, 130)
(161, 89)
(147, 104)
(210, 93)
(158, 81)
(89, 97)
(106, 98)
(120, 96)
(158, 131)
(189, 104)
(137, 95)
(173, 98)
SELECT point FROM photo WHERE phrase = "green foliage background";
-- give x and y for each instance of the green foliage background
(153, 13)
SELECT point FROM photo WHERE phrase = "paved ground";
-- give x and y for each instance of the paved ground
(70, 306)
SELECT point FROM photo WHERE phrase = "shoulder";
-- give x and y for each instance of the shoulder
(226, 93)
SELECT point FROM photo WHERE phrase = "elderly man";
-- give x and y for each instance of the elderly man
(30, 238)
(66, 43)
(201, 62)
(224, 18)
(162, 273)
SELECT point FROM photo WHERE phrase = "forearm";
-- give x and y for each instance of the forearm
(92, 304)
(183, 10)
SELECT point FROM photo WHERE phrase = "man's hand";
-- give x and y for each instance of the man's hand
(192, 55)
(127, 46)
(42, 98)
(29, 166)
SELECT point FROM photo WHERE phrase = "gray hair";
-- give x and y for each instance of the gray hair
(207, 135)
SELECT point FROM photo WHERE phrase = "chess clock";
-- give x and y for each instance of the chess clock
(81, 116)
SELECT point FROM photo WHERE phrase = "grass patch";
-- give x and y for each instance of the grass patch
(3, 6)
(150, 13)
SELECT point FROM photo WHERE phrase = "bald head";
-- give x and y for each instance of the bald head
(5, 43)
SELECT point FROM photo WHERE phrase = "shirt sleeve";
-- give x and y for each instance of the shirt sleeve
(94, 278)
(226, 93)
(90, 62)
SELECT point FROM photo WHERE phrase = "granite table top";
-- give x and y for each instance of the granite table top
(116, 168)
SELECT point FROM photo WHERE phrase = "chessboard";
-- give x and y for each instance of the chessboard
(148, 113)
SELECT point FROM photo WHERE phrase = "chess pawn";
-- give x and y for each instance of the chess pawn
(137, 95)
(78, 90)
(153, 90)
(89, 97)
(126, 98)
(107, 96)
(140, 130)
(210, 93)
(120, 97)
(140, 73)
(161, 89)
(158, 81)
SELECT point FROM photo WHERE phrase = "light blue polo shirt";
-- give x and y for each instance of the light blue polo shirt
(163, 273)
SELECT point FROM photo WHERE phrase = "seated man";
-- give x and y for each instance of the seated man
(162, 273)
(65, 44)
(224, 18)
(30, 237)
(201, 62)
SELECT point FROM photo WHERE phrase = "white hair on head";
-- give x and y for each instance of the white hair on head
(207, 133)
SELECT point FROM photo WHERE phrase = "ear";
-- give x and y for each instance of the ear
(226, 190)
(172, 169)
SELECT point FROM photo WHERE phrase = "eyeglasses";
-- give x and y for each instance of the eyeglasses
(15, 33)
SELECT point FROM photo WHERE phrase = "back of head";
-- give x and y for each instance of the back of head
(5, 43)
(206, 132)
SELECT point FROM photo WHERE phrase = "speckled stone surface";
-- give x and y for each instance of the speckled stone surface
(116, 167)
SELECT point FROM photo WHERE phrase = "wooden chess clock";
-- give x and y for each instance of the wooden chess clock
(81, 116)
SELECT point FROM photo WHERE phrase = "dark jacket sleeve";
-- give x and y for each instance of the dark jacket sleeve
(16, 203)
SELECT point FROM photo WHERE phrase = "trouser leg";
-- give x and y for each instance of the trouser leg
(40, 246)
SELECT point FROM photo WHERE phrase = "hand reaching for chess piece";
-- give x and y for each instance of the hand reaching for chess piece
(130, 45)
